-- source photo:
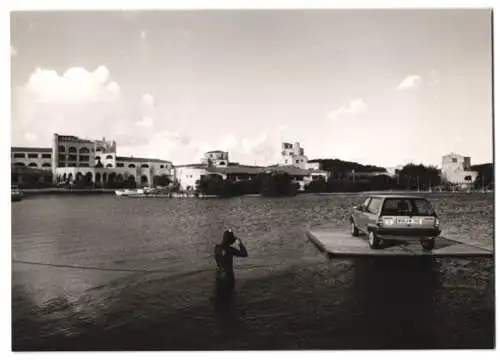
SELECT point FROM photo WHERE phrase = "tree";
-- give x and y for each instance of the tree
(414, 177)
(277, 184)
(485, 177)
(161, 180)
(382, 182)
(317, 186)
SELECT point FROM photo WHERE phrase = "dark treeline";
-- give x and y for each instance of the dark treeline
(338, 166)
(266, 184)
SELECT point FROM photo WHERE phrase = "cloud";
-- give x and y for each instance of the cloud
(13, 51)
(435, 80)
(146, 122)
(169, 145)
(148, 101)
(355, 107)
(410, 82)
(76, 85)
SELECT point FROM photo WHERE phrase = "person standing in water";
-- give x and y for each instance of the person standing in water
(224, 254)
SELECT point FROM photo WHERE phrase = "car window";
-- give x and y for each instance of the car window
(407, 207)
(367, 201)
(374, 206)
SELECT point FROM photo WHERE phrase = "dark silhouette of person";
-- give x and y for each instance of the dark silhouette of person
(224, 254)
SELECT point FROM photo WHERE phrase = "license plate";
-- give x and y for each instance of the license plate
(408, 221)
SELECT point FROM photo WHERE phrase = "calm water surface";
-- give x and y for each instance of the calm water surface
(98, 272)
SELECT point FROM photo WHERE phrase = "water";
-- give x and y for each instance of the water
(103, 273)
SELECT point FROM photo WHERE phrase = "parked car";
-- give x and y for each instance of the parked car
(396, 217)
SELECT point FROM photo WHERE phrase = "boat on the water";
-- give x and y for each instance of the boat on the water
(129, 192)
(15, 193)
(142, 193)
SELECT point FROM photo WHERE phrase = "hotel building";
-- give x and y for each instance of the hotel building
(70, 158)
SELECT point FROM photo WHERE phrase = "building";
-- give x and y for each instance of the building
(217, 163)
(32, 157)
(216, 158)
(71, 158)
(456, 169)
(293, 155)
(314, 165)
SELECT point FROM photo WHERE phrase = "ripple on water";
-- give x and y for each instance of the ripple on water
(288, 294)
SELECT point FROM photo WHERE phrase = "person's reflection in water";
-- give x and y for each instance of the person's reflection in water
(395, 296)
(224, 254)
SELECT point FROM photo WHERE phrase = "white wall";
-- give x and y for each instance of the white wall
(187, 176)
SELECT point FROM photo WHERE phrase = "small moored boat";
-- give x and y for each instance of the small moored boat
(15, 193)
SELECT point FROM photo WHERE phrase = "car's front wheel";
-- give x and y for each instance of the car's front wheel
(354, 229)
(428, 244)
(373, 240)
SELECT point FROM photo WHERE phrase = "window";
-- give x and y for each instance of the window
(19, 164)
(453, 160)
(468, 178)
(19, 156)
(161, 166)
(62, 157)
(223, 163)
(398, 207)
(84, 158)
(109, 165)
(145, 166)
(98, 157)
(286, 161)
(46, 165)
(84, 150)
(71, 157)
(119, 164)
(374, 206)
(62, 148)
(46, 156)
(72, 149)
(33, 156)
(109, 157)
(131, 166)
(296, 161)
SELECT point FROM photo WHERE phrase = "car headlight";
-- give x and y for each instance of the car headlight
(388, 221)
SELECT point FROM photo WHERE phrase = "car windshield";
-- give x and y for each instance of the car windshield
(407, 207)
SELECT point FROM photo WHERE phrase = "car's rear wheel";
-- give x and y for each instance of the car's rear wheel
(373, 240)
(354, 229)
(428, 244)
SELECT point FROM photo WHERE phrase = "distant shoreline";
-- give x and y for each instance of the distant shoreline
(63, 191)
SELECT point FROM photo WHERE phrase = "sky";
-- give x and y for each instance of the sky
(382, 87)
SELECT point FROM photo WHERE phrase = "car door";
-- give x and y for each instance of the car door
(361, 215)
(373, 212)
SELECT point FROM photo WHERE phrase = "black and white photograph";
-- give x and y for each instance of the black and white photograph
(248, 179)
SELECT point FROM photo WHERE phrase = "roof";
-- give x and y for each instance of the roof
(134, 159)
(240, 169)
(396, 196)
(291, 170)
(30, 149)
(197, 166)
(215, 151)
